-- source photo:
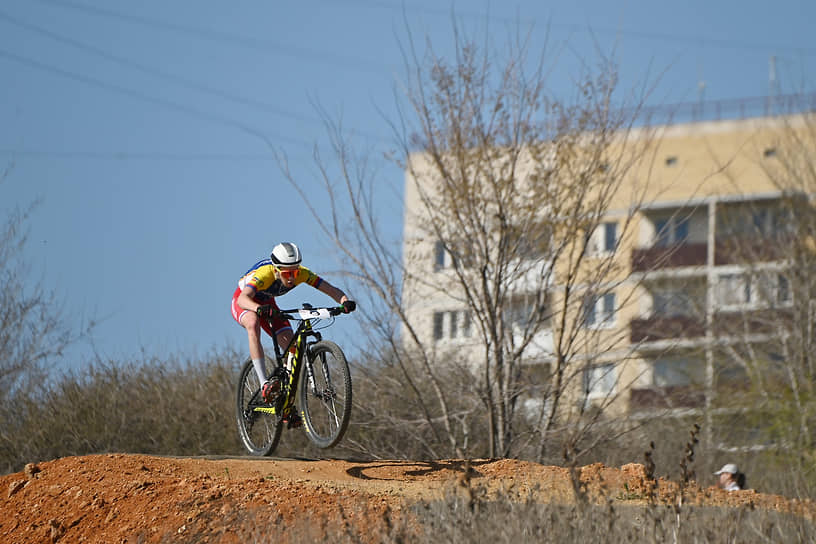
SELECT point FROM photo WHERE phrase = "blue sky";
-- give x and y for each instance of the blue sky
(147, 128)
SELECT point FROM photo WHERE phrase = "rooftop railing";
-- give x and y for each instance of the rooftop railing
(734, 108)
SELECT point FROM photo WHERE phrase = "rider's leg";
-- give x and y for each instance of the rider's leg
(252, 325)
(284, 337)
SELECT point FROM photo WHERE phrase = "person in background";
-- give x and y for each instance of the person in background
(730, 478)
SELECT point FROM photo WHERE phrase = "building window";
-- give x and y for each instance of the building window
(678, 371)
(599, 380)
(672, 230)
(760, 220)
(525, 315)
(670, 302)
(442, 258)
(438, 324)
(766, 222)
(783, 294)
(599, 310)
(610, 231)
(733, 290)
(771, 289)
(762, 289)
(604, 238)
(771, 223)
(452, 324)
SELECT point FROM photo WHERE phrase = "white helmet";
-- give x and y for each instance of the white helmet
(286, 254)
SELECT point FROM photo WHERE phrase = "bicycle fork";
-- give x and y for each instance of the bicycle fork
(327, 394)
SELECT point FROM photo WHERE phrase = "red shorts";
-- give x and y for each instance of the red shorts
(278, 323)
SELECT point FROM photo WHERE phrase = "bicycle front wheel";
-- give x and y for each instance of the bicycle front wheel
(259, 431)
(325, 394)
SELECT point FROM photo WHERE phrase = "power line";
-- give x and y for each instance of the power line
(147, 98)
(223, 37)
(573, 27)
(152, 71)
(131, 155)
(190, 84)
(157, 156)
(364, 64)
(702, 40)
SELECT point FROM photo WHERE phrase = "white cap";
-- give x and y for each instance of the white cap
(730, 468)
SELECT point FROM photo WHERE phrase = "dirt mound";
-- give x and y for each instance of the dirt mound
(138, 498)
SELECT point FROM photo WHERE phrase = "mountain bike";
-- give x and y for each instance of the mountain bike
(321, 371)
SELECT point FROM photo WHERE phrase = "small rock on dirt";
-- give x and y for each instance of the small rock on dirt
(14, 487)
(32, 471)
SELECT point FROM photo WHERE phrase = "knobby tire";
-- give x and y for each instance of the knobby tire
(326, 404)
(259, 432)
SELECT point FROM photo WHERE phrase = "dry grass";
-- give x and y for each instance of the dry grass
(169, 407)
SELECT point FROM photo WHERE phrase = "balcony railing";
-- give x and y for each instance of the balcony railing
(765, 321)
(672, 256)
(727, 251)
(748, 250)
(724, 393)
(678, 396)
(730, 323)
(658, 328)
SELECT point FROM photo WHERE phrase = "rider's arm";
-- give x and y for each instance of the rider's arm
(245, 299)
(335, 293)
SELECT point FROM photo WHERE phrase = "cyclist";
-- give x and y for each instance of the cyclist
(253, 306)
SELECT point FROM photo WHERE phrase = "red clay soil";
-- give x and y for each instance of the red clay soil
(137, 498)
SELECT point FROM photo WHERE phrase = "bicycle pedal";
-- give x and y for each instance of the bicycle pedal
(294, 422)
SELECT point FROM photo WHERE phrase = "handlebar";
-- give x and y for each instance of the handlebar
(310, 312)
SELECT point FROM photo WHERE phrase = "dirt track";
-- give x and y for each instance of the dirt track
(138, 498)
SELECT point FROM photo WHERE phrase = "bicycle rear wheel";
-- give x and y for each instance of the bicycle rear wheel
(326, 401)
(259, 432)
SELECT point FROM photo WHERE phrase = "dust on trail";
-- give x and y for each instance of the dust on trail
(140, 498)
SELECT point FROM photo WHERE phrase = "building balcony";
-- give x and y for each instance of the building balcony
(727, 251)
(677, 396)
(655, 329)
(767, 321)
(748, 250)
(725, 324)
(673, 256)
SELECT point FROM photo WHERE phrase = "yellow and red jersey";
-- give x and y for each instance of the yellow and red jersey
(264, 278)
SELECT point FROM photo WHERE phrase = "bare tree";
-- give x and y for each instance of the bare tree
(33, 334)
(507, 188)
(771, 346)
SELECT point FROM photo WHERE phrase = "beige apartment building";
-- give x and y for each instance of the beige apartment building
(698, 251)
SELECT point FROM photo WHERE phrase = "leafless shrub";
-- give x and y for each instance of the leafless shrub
(686, 470)
(33, 331)
(153, 406)
(512, 519)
